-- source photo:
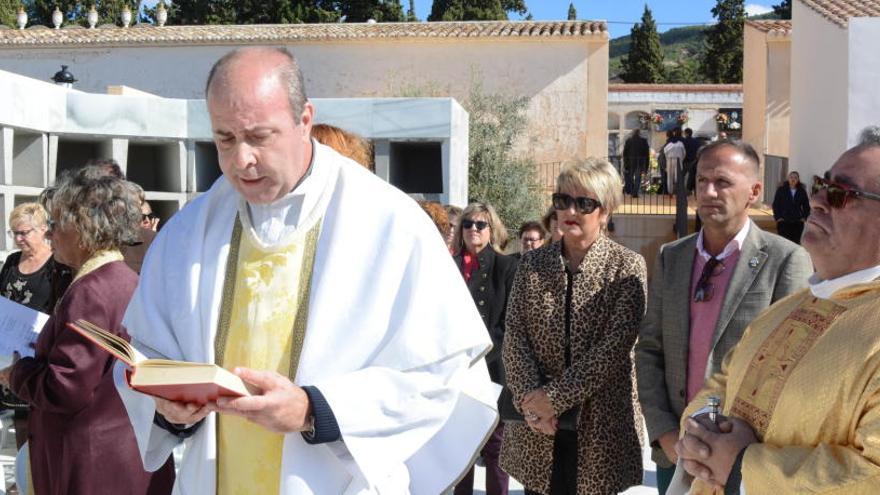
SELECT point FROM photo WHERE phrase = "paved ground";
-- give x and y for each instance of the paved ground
(7, 459)
(649, 486)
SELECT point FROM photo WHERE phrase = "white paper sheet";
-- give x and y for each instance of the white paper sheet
(19, 328)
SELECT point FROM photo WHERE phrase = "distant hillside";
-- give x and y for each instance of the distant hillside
(682, 48)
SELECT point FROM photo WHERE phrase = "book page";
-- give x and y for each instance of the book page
(19, 328)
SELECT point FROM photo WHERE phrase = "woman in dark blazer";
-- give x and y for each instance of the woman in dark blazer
(791, 207)
(489, 277)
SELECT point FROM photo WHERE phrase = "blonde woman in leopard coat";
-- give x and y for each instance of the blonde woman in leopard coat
(578, 301)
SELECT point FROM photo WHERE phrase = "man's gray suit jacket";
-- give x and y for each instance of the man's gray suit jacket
(769, 268)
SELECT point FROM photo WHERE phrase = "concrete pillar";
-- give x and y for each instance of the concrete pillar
(52, 157)
(6, 144)
(382, 156)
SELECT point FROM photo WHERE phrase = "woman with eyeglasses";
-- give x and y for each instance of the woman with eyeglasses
(81, 440)
(572, 320)
(489, 277)
(27, 274)
(32, 277)
(791, 207)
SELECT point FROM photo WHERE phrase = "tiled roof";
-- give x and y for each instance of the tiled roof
(775, 27)
(275, 33)
(676, 88)
(840, 11)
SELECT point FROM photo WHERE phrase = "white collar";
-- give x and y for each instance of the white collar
(734, 245)
(826, 288)
(275, 222)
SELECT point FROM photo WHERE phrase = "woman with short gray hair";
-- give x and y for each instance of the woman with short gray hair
(81, 440)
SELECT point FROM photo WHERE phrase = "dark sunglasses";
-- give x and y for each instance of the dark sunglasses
(562, 201)
(147, 216)
(705, 289)
(479, 224)
(837, 194)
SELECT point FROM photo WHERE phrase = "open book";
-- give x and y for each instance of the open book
(180, 381)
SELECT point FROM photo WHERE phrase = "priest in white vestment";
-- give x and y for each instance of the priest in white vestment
(327, 289)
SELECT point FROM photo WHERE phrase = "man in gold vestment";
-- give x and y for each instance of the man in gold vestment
(800, 394)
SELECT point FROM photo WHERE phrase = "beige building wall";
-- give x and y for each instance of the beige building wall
(566, 77)
(819, 91)
(755, 87)
(767, 90)
(778, 102)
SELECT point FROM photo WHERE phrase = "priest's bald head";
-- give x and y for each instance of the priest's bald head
(842, 233)
(261, 121)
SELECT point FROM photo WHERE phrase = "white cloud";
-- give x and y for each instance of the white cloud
(756, 9)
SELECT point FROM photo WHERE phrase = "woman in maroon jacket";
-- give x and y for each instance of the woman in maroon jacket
(80, 438)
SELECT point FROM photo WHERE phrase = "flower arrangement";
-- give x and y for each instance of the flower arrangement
(650, 118)
(682, 118)
(722, 118)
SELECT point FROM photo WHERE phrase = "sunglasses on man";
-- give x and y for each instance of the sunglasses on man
(584, 205)
(468, 224)
(837, 194)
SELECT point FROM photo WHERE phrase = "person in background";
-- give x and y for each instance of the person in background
(438, 215)
(452, 238)
(532, 235)
(26, 277)
(573, 317)
(691, 147)
(32, 277)
(675, 153)
(80, 441)
(636, 152)
(548, 221)
(347, 143)
(149, 220)
(705, 290)
(791, 207)
(135, 251)
(489, 277)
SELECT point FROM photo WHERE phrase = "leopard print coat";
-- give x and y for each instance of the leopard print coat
(608, 303)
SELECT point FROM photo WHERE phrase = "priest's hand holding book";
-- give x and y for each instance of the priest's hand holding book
(186, 392)
(280, 406)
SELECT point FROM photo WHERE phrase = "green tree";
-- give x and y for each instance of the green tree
(572, 12)
(9, 13)
(200, 12)
(411, 12)
(498, 174)
(475, 10)
(378, 10)
(644, 64)
(75, 11)
(686, 72)
(723, 59)
(783, 10)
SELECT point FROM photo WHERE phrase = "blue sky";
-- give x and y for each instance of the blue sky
(621, 14)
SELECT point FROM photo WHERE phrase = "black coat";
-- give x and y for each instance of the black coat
(490, 286)
(795, 209)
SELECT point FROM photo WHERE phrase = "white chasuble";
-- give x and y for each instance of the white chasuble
(393, 339)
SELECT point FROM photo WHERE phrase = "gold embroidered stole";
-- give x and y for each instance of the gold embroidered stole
(777, 357)
(770, 367)
(262, 325)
